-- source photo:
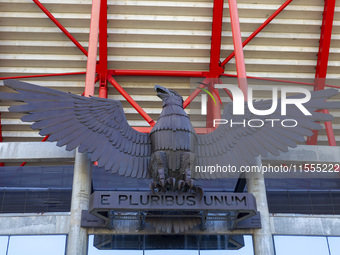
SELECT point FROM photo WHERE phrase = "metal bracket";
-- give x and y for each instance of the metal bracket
(253, 222)
(89, 220)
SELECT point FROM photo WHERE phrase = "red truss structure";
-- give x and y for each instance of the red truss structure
(97, 71)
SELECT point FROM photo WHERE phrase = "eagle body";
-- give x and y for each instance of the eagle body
(173, 144)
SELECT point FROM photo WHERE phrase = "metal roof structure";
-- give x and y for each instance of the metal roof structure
(142, 43)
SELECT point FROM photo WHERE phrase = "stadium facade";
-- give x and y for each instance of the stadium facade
(44, 189)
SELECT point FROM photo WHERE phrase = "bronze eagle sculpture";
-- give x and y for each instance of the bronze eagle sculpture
(169, 153)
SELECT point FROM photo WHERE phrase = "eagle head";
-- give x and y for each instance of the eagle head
(169, 96)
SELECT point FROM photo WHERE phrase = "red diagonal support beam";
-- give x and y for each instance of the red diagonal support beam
(258, 30)
(60, 26)
(239, 56)
(194, 94)
(322, 65)
(131, 101)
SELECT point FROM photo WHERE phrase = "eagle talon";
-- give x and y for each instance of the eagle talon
(172, 182)
(181, 185)
(198, 190)
(153, 186)
(162, 185)
(191, 183)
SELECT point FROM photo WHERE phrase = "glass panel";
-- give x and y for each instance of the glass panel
(247, 249)
(171, 252)
(35, 189)
(297, 245)
(94, 251)
(334, 245)
(3, 244)
(37, 245)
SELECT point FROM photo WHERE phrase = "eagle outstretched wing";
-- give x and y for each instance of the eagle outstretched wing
(239, 144)
(96, 125)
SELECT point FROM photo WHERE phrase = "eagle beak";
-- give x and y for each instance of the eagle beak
(160, 90)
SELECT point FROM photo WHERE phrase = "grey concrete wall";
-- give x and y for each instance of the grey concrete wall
(33, 152)
(34, 224)
(58, 223)
(307, 154)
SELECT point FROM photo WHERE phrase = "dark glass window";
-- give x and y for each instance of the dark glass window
(305, 196)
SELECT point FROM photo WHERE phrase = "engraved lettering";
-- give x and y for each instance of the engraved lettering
(154, 200)
(244, 200)
(191, 200)
(205, 201)
(104, 199)
(130, 200)
(169, 200)
(122, 198)
(177, 200)
(144, 202)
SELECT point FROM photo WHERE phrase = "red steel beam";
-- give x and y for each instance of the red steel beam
(102, 70)
(282, 81)
(213, 106)
(322, 65)
(198, 130)
(226, 91)
(168, 73)
(91, 66)
(237, 40)
(131, 101)
(92, 55)
(215, 69)
(258, 30)
(143, 129)
(325, 42)
(163, 73)
(60, 26)
(194, 94)
(40, 75)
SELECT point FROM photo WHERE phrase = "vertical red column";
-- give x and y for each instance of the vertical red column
(215, 69)
(238, 48)
(102, 72)
(322, 65)
(92, 50)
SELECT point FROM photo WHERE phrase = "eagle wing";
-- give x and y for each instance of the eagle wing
(238, 144)
(95, 125)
